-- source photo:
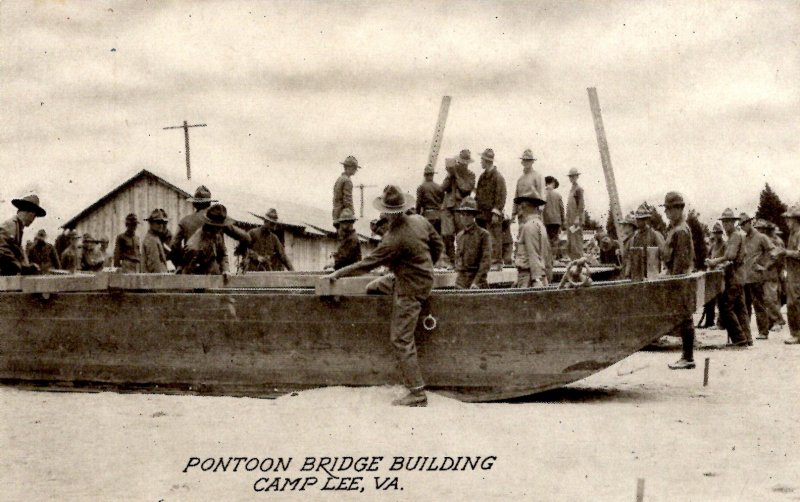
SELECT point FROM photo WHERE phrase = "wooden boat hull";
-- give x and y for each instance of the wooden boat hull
(487, 345)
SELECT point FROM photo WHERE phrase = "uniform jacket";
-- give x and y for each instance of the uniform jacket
(44, 254)
(533, 247)
(528, 182)
(92, 261)
(205, 254)
(12, 258)
(474, 252)
(490, 194)
(792, 265)
(188, 226)
(678, 251)
(409, 249)
(265, 244)
(71, 259)
(553, 208)
(757, 248)
(773, 273)
(734, 253)
(342, 195)
(348, 251)
(127, 248)
(154, 256)
(430, 197)
(457, 185)
(575, 206)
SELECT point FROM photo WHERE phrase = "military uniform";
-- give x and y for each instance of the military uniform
(92, 260)
(348, 251)
(533, 258)
(154, 256)
(266, 253)
(12, 258)
(732, 307)
(553, 217)
(71, 258)
(575, 217)
(205, 254)
(530, 182)
(430, 197)
(458, 184)
(490, 195)
(43, 254)
(772, 285)
(792, 265)
(757, 248)
(127, 253)
(473, 257)
(342, 195)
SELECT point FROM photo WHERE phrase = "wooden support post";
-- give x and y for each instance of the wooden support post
(438, 133)
(640, 490)
(705, 372)
(605, 159)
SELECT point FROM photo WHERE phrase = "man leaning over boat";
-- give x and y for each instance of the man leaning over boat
(409, 248)
(12, 256)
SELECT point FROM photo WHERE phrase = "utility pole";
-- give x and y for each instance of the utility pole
(436, 143)
(362, 187)
(605, 159)
(185, 128)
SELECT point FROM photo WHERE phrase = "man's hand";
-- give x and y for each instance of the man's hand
(333, 276)
(537, 283)
(474, 286)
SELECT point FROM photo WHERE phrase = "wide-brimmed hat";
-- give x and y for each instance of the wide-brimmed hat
(42, 234)
(347, 214)
(527, 155)
(429, 170)
(727, 214)
(673, 199)
(531, 197)
(573, 172)
(88, 239)
(157, 216)
(201, 195)
(29, 203)
(717, 228)
(551, 179)
(271, 215)
(629, 219)
(792, 212)
(488, 154)
(217, 216)
(744, 218)
(465, 157)
(468, 205)
(350, 161)
(644, 211)
(393, 200)
(132, 218)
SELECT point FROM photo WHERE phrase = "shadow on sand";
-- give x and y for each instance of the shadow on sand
(585, 395)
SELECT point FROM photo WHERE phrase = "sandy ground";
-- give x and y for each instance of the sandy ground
(737, 439)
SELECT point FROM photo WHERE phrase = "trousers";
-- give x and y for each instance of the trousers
(754, 299)
(553, 229)
(405, 314)
(772, 298)
(793, 307)
(575, 243)
(733, 312)
(465, 279)
(496, 232)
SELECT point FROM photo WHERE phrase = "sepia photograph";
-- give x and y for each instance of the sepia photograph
(400, 250)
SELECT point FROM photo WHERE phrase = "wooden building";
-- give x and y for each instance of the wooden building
(308, 236)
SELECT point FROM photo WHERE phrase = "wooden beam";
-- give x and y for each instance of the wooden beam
(11, 283)
(605, 159)
(438, 133)
(155, 282)
(65, 284)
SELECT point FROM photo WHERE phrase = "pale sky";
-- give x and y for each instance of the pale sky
(701, 97)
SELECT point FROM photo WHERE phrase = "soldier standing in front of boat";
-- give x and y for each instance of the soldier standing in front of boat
(409, 248)
(92, 258)
(490, 194)
(205, 252)
(343, 187)
(530, 180)
(772, 283)
(791, 255)
(430, 197)
(154, 252)
(757, 249)
(71, 257)
(43, 254)
(458, 183)
(678, 254)
(263, 251)
(717, 249)
(533, 259)
(12, 256)
(473, 248)
(732, 308)
(127, 249)
(575, 216)
(646, 236)
(628, 228)
(553, 214)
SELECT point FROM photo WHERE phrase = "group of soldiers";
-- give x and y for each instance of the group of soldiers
(197, 247)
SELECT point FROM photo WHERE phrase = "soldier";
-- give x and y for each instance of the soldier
(349, 249)
(266, 252)
(154, 250)
(127, 252)
(458, 183)
(429, 199)
(92, 258)
(43, 254)
(553, 215)
(645, 235)
(533, 259)
(205, 252)
(343, 188)
(490, 194)
(678, 251)
(410, 248)
(12, 257)
(530, 181)
(732, 307)
(473, 249)
(71, 257)
(757, 249)
(772, 283)
(628, 228)
(791, 255)
(62, 241)
(575, 216)
(716, 250)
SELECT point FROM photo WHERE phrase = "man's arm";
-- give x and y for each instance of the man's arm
(347, 194)
(418, 207)
(379, 256)
(117, 251)
(561, 209)
(9, 251)
(282, 254)
(435, 243)
(55, 262)
(486, 258)
(681, 253)
(580, 206)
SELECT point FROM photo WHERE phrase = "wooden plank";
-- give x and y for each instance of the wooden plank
(155, 282)
(605, 158)
(11, 283)
(438, 133)
(65, 284)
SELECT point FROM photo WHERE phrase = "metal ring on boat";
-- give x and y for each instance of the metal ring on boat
(429, 323)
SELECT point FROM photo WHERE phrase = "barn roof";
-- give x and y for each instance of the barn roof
(243, 207)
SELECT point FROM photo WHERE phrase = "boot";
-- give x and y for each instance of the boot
(682, 364)
(792, 341)
(415, 397)
(765, 336)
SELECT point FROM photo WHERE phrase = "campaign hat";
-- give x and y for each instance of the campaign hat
(29, 203)
(393, 200)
